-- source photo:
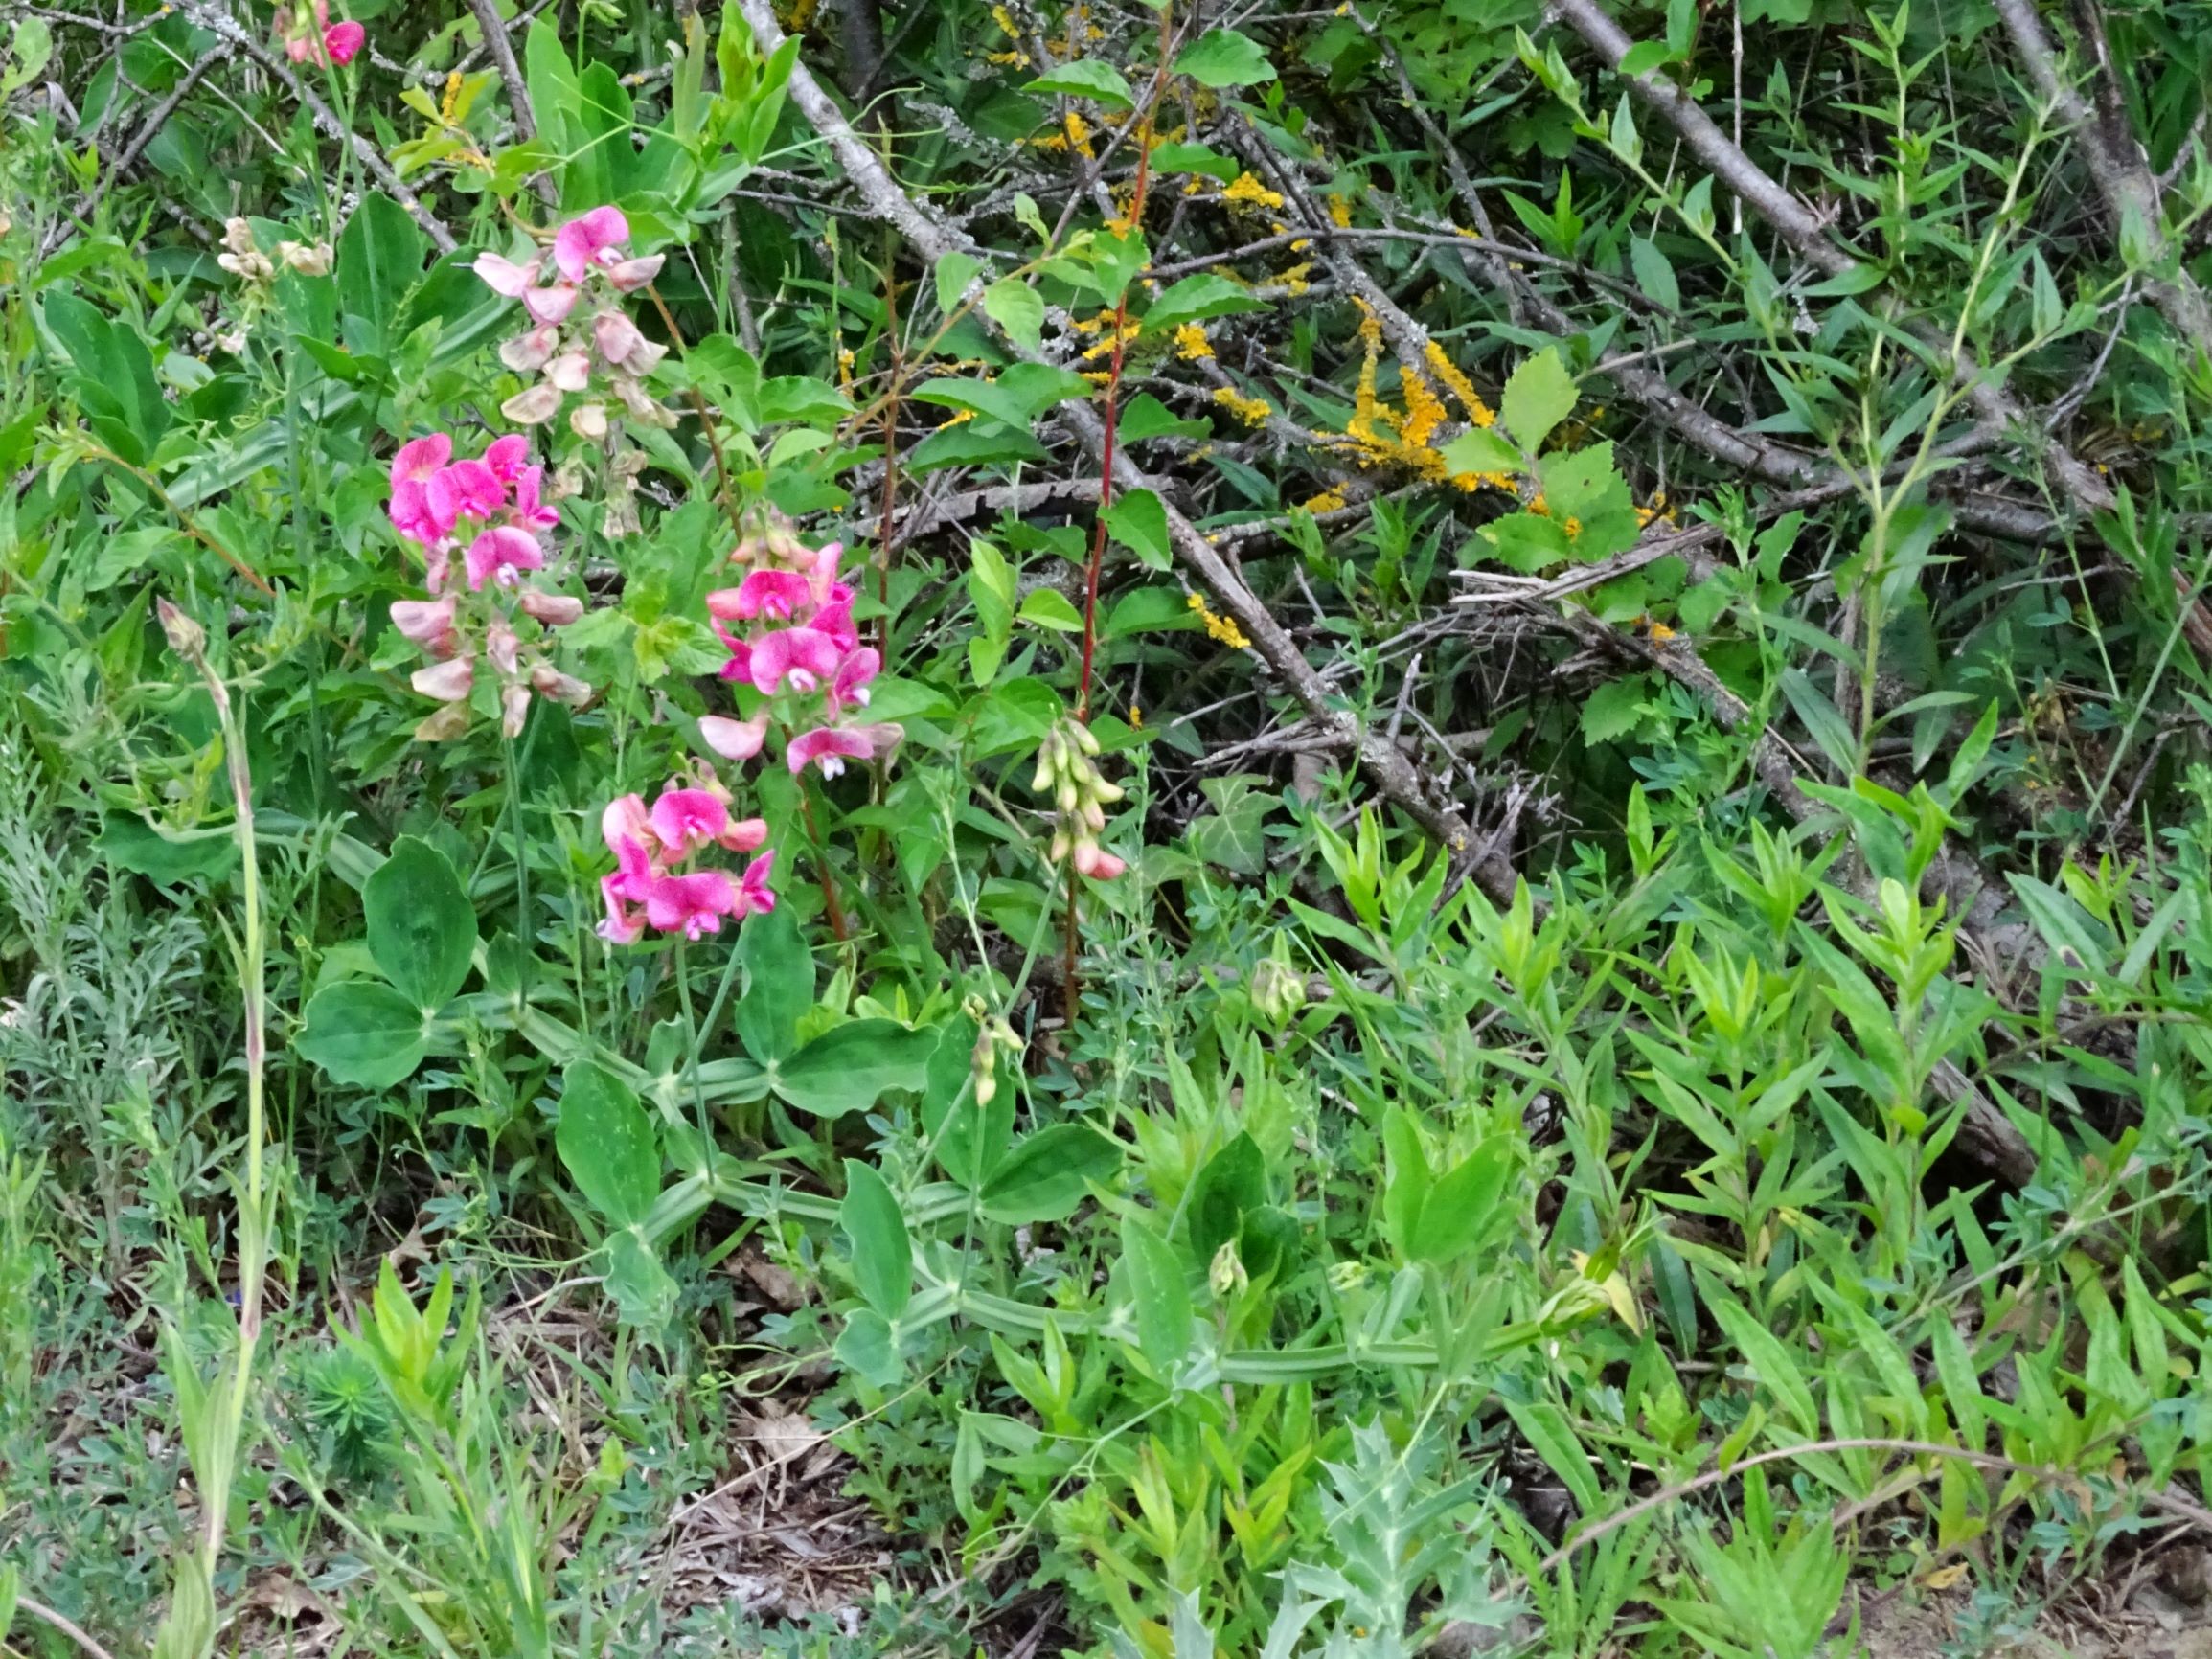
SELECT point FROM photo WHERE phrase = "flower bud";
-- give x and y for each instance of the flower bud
(1226, 1276)
(513, 710)
(186, 637)
(555, 610)
(1085, 739)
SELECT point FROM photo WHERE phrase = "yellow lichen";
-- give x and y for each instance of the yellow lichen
(1245, 191)
(1328, 501)
(1340, 212)
(1251, 411)
(1423, 412)
(1127, 333)
(1221, 628)
(1294, 280)
(1191, 343)
(1455, 380)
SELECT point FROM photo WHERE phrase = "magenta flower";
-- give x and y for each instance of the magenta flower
(502, 549)
(733, 740)
(411, 470)
(754, 894)
(775, 594)
(829, 747)
(465, 490)
(624, 819)
(739, 667)
(692, 905)
(850, 688)
(343, 41)
(509, 457)
(550, 305)
(685, 820)
(801, 656)
(589, 240)
(836, 619)
(530, 507)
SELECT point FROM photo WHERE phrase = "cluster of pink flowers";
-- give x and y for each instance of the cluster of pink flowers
(489, 510)
(573, 293)
(310, 37)
(798, 648)
(651, 885)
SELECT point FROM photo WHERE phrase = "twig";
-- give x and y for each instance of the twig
(67, 1627)
(1387, 768)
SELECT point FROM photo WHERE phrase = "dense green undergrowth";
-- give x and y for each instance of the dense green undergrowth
(1545, 991)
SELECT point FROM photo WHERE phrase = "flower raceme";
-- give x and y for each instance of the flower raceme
(651, 885)
(573, 294)
(310, 37)
(489, 511)
(1068, 770)
(788, 627)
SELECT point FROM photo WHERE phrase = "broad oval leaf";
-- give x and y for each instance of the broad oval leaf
(363, 1033)
(848, 1068)
(1224, 58)
(1086, 78)
(606, 1141)
(1048, 1174)
(1159, 1295)
(422, 928)
(882, 1252)
(1234, 1180)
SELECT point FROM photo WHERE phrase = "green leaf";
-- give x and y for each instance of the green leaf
(1146, 417)
(1047, 607)
(955, 270)
(968, 1137)
(1147, 610)
(1048, 1173)
(1828, 726)
(1138, 520)
(1086, 78)
(362, 1032)
(869, 1347)
(1654, 275)
(1462, 1208)
(1408, 1189)
(608, 1145)
(1224, 58)
(847, 1068)
(1159, 1295)
(1615, 708)
(131, 843)
(1234, 1180)
(1199, 158)
(1769, 1360)
(882, 1253)
(1196, 299)
(645, 1296)
(1552, 1437)
(973, 443)
(1017, 307)
(1016, 398)
(379, 259)
(1481, 449)
(422, 928)
(1539, 396)
(779, 984)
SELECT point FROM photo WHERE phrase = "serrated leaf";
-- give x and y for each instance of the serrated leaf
(1482, 450)
(1016, 306)
(1086, 78)
(1196, 299)
(1538, 397)
(1138, 520)
(955, 270)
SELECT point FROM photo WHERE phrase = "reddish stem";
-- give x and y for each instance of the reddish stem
(830, 899)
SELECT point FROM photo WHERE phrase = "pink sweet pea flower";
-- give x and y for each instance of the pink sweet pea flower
(411, 470)
(686, 819)
(627, 883)
(465, 490)
(503, 276)
(775, 594)
(836, 619)
(733, 740)
(829, 747)
(555, 610)
(500, 551)
(850, 688)
(550, 305)
(504, 647)
(532, 407)
(448, 682)
(428, 623)
(530, 507)
(588, 241)
(1096, 862)
(692, 904)
(624, 925)
(343, 41)
(507, 457)
(802, 656)
(755, 896)
(624, 819)
(739, 667)
(744, 834)
(629, 275)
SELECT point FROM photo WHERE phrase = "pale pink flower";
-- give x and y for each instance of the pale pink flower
(534, 407)
(1096, 862)
(829, 747)
(343, 41)
(616, 336)
(503, 276)
(550, 305)
(549, 682)
(733, 740)
(624, 819)
(527, 353)
(449, 681)
(555, 610)
(629, 275)
(589, 240)
(800, 656)
(504, 647)
(588, 422)
(428, 623)
(500, 551)
(514, 708)
(744, 834)
(571, 372)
